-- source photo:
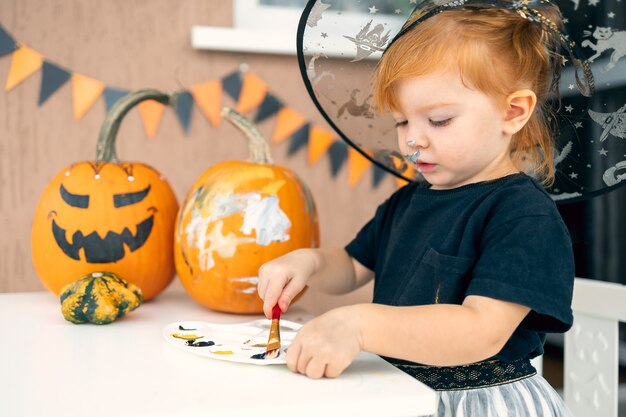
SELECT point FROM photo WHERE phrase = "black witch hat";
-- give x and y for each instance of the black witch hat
(341, 41)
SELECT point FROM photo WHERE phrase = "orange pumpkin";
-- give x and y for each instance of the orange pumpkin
(106, 215)
(237, 216)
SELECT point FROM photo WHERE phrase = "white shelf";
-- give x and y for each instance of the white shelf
(243, 40)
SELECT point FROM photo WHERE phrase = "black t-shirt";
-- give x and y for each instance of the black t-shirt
(502, 239)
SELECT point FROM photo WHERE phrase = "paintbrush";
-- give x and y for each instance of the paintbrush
(273, 342)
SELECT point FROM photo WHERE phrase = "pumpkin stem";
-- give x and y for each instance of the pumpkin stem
(259, 149)
(105, 149)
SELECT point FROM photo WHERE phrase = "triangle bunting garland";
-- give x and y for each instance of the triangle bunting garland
(249, 92)
(25, 63)
(252, 94)
(52, 78)
(357, 166)
(287, 122)
(319, 142)
(183, 106)
(7, 43)
(151, 112)
(270, 106)
(111, 95)
(232, 85)
(299, 139)
(208, 97)
(85, 92)
(409, 172)
(338, 153)
(378, 176)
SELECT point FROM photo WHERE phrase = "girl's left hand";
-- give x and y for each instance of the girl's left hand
(326, 345)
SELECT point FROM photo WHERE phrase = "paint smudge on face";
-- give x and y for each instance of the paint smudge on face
(223, 352)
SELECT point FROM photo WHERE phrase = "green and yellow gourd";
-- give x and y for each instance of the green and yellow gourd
(100, 298)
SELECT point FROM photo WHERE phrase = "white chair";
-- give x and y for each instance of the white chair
(591, 357)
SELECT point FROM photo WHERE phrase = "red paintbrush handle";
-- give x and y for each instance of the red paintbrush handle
(275, 312)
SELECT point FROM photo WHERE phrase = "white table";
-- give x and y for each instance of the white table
(51, 367)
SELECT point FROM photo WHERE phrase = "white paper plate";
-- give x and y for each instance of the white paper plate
(232, 342)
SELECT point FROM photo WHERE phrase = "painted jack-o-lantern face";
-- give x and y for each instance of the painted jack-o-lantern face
(105, 216)
(111, 247)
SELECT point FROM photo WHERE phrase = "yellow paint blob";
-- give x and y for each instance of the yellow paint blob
(223, 352)
(186, 336)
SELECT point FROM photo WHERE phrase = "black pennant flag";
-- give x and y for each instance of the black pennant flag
(183, 105)
(111, 95)
(232, 85)
(52, 78)
(378, 176)
(299, 139)
(270, 106)
(7, 43)
(338, 155)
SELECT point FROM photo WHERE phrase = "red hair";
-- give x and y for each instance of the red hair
(497, 52)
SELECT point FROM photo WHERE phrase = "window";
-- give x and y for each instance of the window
(263, 14)
(270, 26)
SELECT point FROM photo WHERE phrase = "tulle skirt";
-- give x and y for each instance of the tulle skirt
(528, 397)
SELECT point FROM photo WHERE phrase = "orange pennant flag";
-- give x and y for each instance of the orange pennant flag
(208, 97)
(409, 172)
(252, 93)
(151, 113)
(400, 182)
(357, 165)
(319, 142)
(25, 62)
(85, 92)
(287, 122)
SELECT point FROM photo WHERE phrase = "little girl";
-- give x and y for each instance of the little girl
(473, 266)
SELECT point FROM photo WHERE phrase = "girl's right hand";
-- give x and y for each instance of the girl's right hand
(281, 279)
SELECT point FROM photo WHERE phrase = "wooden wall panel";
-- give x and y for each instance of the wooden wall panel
(131, 45)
